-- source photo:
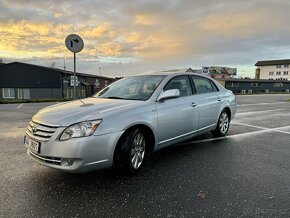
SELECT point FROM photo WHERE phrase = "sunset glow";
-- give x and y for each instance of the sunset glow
(144, 35)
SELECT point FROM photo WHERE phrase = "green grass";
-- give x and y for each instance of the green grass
(13, 101)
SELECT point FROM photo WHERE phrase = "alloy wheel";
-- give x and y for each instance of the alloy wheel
(224, 123)
(138, 150)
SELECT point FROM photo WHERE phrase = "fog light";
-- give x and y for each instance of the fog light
(66, 162)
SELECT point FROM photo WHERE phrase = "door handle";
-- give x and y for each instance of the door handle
(193, 104)
(219, 99)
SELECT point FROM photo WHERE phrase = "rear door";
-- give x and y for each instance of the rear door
(177, 117)
(208, 102)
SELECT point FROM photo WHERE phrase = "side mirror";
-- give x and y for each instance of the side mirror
(171, 93)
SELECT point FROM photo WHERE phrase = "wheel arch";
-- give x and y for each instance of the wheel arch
(150, 136)
(228, 110)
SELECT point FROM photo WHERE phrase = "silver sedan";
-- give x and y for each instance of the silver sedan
(127, 120)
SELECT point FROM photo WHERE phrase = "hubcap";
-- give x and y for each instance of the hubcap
(224, 122)
(138, 150)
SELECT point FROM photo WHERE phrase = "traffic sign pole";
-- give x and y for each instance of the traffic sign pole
(75, 76)
(75, 44)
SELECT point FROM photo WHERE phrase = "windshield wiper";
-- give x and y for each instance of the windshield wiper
(114, 97)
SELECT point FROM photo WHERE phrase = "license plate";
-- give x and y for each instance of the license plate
(32, 145)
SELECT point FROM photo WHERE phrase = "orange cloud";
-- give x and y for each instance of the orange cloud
(98, 31)
(231, 24)
(27, 39)
(146, 20)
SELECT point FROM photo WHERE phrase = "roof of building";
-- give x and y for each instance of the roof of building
(272, 62)
(56, 69)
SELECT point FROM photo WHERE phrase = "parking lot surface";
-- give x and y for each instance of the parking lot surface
(244, 174)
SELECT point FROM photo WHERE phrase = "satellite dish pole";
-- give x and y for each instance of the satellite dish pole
(75, 44)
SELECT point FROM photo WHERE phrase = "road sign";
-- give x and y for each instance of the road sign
(74, 43)
(72, 81)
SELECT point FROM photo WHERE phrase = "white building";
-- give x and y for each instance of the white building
(273, 69)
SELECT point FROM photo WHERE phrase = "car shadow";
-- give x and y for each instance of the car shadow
(57, 190)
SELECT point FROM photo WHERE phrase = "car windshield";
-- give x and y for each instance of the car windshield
(132, 88)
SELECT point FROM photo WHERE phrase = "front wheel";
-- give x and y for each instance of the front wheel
(131, 153)
(223, 124)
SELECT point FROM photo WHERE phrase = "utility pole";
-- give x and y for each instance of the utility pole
(64, 62)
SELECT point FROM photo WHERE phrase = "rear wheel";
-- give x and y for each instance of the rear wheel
(130, 154)
(223, 124)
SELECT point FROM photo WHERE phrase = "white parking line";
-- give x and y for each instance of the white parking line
(249, 125)
(242, 105)
(263, 130)
(254, 112)
(19, 106)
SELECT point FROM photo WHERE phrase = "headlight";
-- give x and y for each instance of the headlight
(78, 130)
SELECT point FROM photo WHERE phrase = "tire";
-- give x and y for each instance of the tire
(130, 153)
(223, 124)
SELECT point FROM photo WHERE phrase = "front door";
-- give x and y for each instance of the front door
(177, 117)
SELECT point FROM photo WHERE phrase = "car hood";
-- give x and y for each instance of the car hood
(67, 113)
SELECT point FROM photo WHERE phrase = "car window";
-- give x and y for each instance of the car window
(215, 88)
(181, 83)
(132, 88)
(202, 85)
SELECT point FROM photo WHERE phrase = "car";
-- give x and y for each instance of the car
(127, 120)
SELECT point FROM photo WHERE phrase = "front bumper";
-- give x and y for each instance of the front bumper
(76, 155)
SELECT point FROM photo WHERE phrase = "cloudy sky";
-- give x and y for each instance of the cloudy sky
(127, 37)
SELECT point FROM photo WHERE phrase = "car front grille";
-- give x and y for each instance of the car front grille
(41, 132)
(49, 160)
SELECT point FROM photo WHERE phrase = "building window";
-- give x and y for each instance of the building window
(278, 84)
(285, 73)
(8, 93)
(20, 93)
(67, 93)
(279, 66)
(232, 84)
(278, 73)
(83, 92)
(256, 84)
(286, 65)
(23, 93)
(71, 93)
(271, 73)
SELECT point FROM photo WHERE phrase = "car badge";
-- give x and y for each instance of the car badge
(34, 129)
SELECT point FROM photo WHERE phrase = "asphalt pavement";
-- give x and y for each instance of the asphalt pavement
(245, 174)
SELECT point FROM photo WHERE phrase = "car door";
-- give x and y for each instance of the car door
(177, 117)
(208, 102)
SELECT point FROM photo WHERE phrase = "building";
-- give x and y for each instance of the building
(27, 81)
(273, 69)
(219, 72)
(251, 86)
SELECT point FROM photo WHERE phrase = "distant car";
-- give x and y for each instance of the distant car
(128, 119)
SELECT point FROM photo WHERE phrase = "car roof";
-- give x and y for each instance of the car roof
(170, 73)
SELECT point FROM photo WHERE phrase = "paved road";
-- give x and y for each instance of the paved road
(244, 174)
